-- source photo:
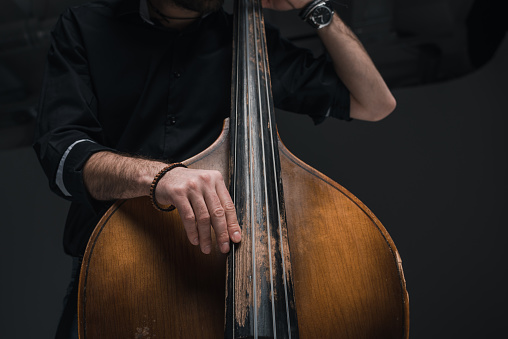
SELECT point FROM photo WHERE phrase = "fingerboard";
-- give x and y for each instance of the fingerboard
(259, 292)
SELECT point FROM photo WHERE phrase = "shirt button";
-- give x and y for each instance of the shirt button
(176, 74)
(172, 120)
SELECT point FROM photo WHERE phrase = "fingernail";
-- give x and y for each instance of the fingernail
(236, 236)
(195, 241)
(225, 247)
(206, 250)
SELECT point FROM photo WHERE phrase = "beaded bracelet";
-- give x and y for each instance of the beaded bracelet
(156, 180)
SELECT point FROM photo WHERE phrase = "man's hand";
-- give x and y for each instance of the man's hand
(201, 196)
(202, 200)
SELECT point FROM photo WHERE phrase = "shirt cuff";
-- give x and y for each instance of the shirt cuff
(341, 107)
(69, 174)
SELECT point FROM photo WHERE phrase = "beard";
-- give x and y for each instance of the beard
(201, 6)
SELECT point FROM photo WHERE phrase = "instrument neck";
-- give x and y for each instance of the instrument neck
(260, 302)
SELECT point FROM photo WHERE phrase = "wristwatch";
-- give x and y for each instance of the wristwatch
(318, 13)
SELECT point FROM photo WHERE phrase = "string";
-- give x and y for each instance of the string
(274, 149)
(258, 39)
(247, 116)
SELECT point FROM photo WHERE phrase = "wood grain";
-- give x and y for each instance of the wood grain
(142, 279)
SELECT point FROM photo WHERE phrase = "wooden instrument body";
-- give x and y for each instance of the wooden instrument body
(141, 278)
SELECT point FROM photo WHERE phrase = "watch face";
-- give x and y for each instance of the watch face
(322, 15)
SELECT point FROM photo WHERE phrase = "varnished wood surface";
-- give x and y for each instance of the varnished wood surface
(141, 278)
(347, 272)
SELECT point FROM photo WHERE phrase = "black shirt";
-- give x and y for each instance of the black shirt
(115, 81)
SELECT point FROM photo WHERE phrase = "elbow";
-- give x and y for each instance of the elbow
(381, 109)
(375, 111)
(384, 109)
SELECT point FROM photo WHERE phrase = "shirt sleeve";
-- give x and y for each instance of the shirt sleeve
(304, 84)
(68, 131)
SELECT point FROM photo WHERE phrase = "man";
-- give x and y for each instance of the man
(134, 84)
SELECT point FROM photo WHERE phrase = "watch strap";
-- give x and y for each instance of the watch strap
(307, 10)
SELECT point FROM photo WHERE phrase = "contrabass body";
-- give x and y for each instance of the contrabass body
(314, 262)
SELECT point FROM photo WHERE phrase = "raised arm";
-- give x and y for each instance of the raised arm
(371, 99)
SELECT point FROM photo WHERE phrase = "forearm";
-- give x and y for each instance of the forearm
(109, 176)
(370, 97)
(200, 196)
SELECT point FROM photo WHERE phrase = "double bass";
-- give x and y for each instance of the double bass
(314, 261)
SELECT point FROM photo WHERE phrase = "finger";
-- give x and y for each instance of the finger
(203, 223)
(218, 219)
(188, 219)
(233, 228)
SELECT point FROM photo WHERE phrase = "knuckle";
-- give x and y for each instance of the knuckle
(188, 218)
(229, 206)
(192, 184)
(223, 236)
(203, 218)
(218, 212)
(178, 190)
(217, 174)
(205, 176)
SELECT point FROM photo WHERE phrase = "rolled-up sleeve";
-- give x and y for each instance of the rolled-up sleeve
(68, 130)
(304, 84)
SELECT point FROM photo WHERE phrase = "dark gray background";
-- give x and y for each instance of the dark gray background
(434, 172)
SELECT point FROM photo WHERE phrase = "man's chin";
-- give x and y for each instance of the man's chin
(200, 6)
